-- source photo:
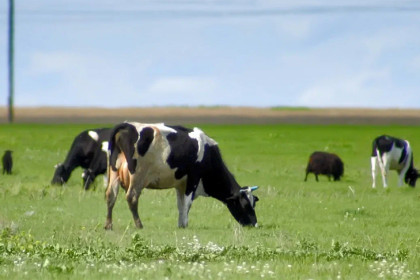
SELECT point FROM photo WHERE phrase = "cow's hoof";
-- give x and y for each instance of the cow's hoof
(139, 226)
(108, 227)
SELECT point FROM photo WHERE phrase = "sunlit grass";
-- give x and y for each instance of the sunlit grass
(308, 230)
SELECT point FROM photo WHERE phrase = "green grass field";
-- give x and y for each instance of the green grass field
(308, 230)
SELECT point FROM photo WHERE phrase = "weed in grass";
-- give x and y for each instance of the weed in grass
(353, 213)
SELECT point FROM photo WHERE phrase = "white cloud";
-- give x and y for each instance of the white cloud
(71, 78)
(261, 60)
(54, 62)
(189, 85)
(415, 63)
(361, 90)
(297, 29)
(387, 40)
(182, 90)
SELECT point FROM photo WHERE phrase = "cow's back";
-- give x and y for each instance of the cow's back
(385, 143)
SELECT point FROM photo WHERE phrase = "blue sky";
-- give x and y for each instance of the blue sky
(238, 53)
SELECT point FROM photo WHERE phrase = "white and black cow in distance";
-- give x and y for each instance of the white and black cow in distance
(393, 154)
(158, 156)
(89, 151)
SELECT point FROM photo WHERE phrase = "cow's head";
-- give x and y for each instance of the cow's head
(242, 205)
(61, 175)
(411, 177)
(88, 178)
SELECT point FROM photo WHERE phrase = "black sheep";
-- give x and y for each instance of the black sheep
(7, 162)
(326, 164)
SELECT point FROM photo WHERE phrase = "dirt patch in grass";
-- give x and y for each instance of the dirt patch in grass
(216, 115)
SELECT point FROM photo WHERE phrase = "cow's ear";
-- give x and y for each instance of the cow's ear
(232, 198)
(245, 189)
(256, 198)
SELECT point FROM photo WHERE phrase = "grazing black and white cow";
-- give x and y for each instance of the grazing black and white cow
(393, 154)
(326, 164)
(7, 162)
(88, 150)
(158, 156)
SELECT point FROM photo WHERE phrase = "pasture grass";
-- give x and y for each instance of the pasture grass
(307, 230)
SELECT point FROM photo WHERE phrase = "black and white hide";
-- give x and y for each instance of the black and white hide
(392, 153)
(89, 151)
(159, 156)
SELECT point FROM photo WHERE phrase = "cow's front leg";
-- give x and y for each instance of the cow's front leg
(400, 179)
(401, 176)
(111, 196)
(184, 204)
(403, 171)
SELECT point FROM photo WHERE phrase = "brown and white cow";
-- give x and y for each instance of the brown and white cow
(158, 156)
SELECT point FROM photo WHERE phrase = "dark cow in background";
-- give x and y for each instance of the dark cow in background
(393, 154)
(7, 162)
(158, 156)
(89, 151)
(326, 164)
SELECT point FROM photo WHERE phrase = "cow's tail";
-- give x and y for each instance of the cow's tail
(374, 148)
(122, 140)
(376, 154)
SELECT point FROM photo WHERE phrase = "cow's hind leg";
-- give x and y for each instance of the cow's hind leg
(184, 204)
(384, 166)
(132, 197)
(111, 196)
(373, 164)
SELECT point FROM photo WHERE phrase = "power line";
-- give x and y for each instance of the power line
(217, 13)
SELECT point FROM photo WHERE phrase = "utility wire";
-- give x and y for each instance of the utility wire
(141, 14)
